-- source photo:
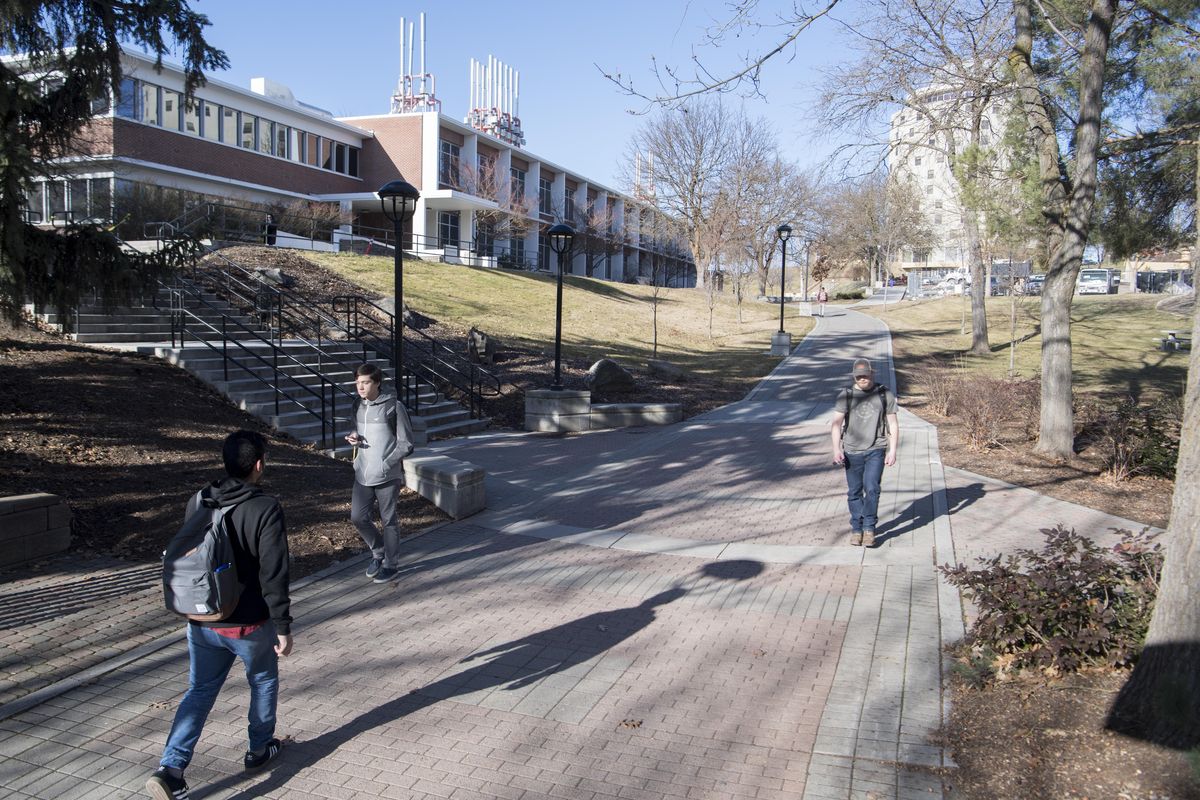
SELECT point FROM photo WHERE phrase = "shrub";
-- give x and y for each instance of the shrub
(984, 403)
(939, 384)
(1070, 605)
(1027, 405)
(1137, 440)
(849, 294)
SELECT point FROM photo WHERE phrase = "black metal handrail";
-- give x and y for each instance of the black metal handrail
(277, 308)
(328, 414)
(438, 364)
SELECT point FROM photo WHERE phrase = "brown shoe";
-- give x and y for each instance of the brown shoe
(856, 538)
(868, 539)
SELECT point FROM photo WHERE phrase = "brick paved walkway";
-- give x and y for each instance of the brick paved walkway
(638, 614)
(58, 618)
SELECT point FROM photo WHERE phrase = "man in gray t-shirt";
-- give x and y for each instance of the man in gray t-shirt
(865, 434)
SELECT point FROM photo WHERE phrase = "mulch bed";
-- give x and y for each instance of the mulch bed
(1036, 737)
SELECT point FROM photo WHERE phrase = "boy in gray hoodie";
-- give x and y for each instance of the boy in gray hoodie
(382, 438)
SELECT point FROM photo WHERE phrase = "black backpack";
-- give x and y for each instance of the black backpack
(200, 579)
(879, 391)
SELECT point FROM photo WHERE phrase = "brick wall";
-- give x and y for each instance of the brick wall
(158, 146)
(394, 153)
(33, 526)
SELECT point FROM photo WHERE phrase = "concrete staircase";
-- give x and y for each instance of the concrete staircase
(248, 380)
(152, 323)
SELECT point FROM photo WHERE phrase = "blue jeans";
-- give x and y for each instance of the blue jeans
(211, 657)
(864, 472)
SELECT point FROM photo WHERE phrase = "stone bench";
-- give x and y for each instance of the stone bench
(33, 526)
(454, 486)
(632, 415)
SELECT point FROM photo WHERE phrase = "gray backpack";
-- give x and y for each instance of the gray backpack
(200, 579)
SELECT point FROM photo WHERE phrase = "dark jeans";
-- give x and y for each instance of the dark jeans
(864, 472)
(385, 547)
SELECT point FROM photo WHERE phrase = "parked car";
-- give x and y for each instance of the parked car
(1035, 283)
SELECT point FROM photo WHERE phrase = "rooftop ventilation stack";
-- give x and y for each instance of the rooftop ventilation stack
(416, 92)
(495, 95)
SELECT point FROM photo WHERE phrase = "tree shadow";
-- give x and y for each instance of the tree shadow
(1160, 702)
(512, 666)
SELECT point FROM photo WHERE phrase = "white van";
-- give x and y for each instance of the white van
(1097, 281)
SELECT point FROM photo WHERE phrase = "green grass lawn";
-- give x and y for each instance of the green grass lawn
(1112, 341)
(600, 318)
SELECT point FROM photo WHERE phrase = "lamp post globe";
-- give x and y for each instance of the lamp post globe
(398, 200)
(561, 237)
(784, 231)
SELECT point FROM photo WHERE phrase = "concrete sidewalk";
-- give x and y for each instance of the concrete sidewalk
(640, 613)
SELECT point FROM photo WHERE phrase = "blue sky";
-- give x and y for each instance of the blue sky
(344, 56)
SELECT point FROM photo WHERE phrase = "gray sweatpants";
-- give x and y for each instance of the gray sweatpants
(362, 502)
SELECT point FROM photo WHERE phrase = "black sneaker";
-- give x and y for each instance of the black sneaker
(374, 567)
(252, 761)
(386, 575)
(164, 786)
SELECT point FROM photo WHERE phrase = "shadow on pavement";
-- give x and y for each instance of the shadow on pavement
(920, 512)
(32, 606)
(513, 665)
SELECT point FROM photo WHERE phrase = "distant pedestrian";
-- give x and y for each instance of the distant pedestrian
(382, 439)
(865, 434)
(822, 298)
(258, 630)
(270, 231)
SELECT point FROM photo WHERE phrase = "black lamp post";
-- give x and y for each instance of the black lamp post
(399, 201)
(561, 237)
(807, 251)
(784, 232)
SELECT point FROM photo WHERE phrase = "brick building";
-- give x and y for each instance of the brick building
(483, 201)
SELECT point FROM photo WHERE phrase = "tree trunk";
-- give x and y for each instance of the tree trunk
(1161, 700)
(654, 306)
(1068, 203)
(979, 286)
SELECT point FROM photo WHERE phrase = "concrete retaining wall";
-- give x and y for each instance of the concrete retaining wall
(569, 411)
(33, 526)
(632, 415)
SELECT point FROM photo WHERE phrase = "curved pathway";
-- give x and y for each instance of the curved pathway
(640, 613)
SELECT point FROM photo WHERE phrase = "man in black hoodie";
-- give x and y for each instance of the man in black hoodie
(258, 631)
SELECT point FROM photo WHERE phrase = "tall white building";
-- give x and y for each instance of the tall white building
(922, 145)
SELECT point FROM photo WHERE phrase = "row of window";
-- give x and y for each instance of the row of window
(73, 200)
(450, 174)
(165, 108)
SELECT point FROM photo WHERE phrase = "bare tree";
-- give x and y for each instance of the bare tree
(941, 62)
(774, 192)
(676, 89)
(510, 217)
(696, 151)
(867, 222)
